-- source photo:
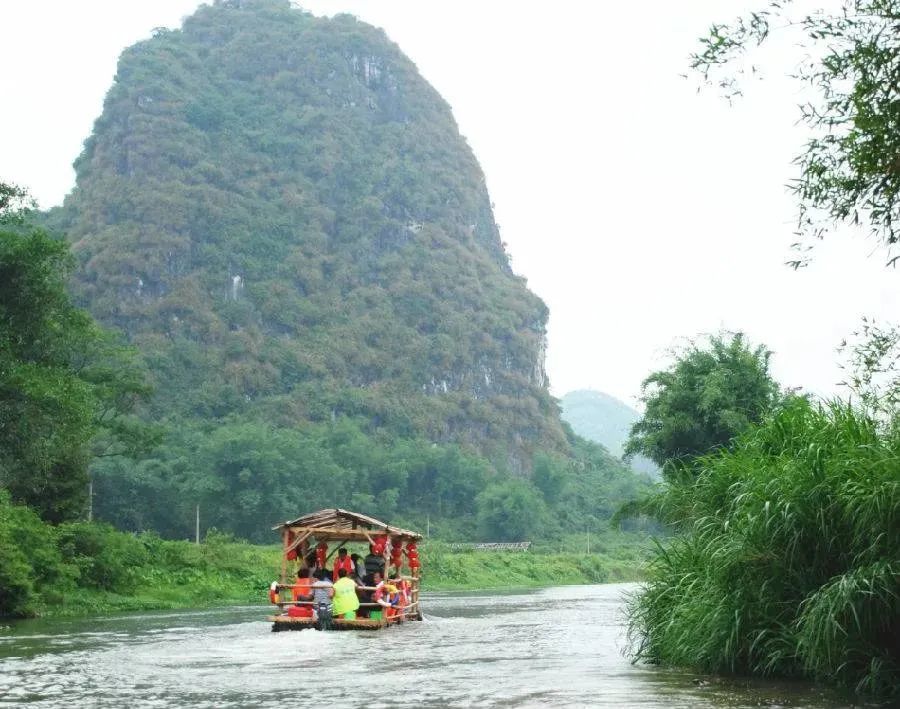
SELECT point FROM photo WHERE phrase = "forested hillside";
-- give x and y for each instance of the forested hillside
(280, 214)
(605, 420)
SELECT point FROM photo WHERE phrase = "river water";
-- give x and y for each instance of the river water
(558, 646)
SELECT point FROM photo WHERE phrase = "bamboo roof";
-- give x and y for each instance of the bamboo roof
(343, 524)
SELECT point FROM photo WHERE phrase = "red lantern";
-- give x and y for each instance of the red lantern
(414, 562)
(291, 554)
(379, 544)
(321, 553)
(411, 547)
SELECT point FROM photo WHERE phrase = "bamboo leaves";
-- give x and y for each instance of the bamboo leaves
(798, 574)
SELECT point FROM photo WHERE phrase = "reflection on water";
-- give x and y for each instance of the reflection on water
(559, 645)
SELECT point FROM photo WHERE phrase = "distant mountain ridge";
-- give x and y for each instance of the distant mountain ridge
(606, 420)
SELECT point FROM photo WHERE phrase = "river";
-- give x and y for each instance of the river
(558, 646)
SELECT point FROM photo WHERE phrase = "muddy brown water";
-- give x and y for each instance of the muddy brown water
(559, 647)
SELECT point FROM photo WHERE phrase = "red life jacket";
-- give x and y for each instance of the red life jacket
(346, 563)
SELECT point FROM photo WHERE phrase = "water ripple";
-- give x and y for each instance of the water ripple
(559, 645)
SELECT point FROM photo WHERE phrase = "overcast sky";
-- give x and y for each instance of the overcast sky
(640, 211)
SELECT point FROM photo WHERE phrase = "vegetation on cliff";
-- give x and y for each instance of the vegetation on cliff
(279, 213)
(279, 217)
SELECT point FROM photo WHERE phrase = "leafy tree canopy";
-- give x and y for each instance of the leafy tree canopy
(709, 395)
(63, 381)
(850, 166)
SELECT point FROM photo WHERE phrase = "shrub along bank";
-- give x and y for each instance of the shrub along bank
(84, 568)
(789, 561)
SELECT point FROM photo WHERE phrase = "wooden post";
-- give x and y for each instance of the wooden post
(284, 546)
(415, 593)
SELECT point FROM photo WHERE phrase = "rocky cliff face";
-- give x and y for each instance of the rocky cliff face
(280, 212)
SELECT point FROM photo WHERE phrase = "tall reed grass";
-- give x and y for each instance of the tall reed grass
(788, 557)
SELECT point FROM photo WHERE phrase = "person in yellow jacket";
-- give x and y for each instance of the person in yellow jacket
(345, 602)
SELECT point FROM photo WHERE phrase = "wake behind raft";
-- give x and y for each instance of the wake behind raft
(375, 589)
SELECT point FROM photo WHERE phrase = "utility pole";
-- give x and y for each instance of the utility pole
(588, 531)
(428, 526)
(90, 499)
(197, 537)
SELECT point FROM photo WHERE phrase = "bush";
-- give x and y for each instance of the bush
(30, 563)
(106, 559)
(789, 561)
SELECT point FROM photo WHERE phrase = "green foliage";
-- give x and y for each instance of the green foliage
(62, 379)
(510, 511)
(445, 569)
(105, 558)
(872, 363)
(31, 566)
(848, 169)
(788, 562)
(708, 396)
(281, 214)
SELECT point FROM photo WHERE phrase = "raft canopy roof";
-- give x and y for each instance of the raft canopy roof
(336, 523)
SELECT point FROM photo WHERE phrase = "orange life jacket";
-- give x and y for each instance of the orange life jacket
(301, 588)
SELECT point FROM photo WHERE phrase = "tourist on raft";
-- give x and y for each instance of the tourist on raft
(359, 568)
(323, 592)
(368, 596)
(373, 563)
(342, 562)
(302, 591)
(387, 595)
(346, 602)
(402, 587)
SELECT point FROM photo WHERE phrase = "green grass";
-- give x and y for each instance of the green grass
(619, 559)
(180, 574)
(788, 561)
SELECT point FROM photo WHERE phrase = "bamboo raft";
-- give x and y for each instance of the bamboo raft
(281, 622)
(345, 527)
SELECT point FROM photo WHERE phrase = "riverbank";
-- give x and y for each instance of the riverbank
(221, 571)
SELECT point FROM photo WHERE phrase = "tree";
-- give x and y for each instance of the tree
(850, 167)
(706, 398)
(510, 511)
(62, 379)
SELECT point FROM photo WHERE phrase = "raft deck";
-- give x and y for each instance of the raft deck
(283, 622)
